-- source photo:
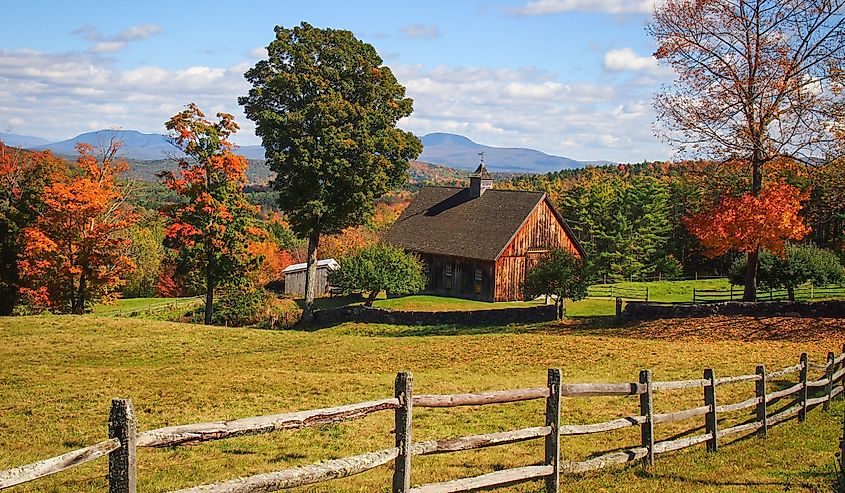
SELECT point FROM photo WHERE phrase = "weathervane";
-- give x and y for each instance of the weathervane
(481, 155)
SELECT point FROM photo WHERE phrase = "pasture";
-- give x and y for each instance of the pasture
(60, 372)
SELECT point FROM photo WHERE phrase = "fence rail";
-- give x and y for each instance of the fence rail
(124, 440)
(735, 293)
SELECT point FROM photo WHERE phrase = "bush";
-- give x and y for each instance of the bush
(240, 305)
(668, 267)
(377, 268)
(801, 264)
(560, 274)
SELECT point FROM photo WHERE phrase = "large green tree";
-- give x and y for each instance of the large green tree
(377, 268)
(326, 111)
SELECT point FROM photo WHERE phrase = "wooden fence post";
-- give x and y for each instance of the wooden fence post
(762, 411)
(710, 422)
(802, 394)
(553, 438)
(403, 390)
(828, 389)
(647, 410)
(618, 307)
(122, 467)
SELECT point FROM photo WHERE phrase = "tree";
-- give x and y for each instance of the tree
(377, 268)
(756, 80)
(214, 225)
(748, 223)
(24, 175)
(559, 274)
(147, 252)
(76, 249)
(326, 111)
(798, 265)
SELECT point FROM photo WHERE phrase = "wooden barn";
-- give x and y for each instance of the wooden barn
(477, 242)
(295, 277)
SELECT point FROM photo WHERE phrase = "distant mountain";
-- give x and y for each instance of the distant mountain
(22, 141)
(135, 144)
(457, 151)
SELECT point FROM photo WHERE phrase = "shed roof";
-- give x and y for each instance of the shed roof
(328, 263)
(449, 221)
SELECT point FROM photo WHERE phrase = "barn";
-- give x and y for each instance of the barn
(478, 242)
(295, 277)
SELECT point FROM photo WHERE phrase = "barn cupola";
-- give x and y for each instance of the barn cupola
(481, 180)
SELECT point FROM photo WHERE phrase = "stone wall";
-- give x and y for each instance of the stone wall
(502, 316)
(640, 310)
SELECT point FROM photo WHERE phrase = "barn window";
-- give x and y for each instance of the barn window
(477, 281)
(447, 277)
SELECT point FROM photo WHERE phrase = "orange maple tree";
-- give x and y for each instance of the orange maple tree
(23, 177)
(746, 223)
(76, 249)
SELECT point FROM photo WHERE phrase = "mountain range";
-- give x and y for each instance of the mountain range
(450, 150)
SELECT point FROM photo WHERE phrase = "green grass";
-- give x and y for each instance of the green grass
(59, 373)
(132, 306)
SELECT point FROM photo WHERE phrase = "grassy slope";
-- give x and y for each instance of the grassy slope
(60, 372)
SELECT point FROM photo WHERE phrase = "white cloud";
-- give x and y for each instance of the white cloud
(626, 60)
(58, 95)
(116, 42)
(422, 31)
(259, 52)
(541, 7)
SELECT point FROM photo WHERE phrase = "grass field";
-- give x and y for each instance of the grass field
(59, 373)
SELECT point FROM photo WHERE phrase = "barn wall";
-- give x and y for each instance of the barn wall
(463, 282)
(295, 283)
(541, 232)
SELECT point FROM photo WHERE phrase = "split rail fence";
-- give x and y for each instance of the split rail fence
(124, 440)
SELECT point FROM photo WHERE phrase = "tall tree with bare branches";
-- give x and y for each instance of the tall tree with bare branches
(756, 80)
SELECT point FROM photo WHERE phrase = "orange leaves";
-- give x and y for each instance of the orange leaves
(745, 223)
(75, 249)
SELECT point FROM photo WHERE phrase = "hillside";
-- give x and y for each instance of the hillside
(23, 141)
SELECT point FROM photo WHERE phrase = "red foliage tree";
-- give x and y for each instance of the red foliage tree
(214, 226)
(76, 249)
(747, 223)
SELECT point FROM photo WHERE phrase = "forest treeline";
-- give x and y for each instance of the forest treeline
(634, 219)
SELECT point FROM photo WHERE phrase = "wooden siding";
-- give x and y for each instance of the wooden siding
(295, 283)
(540, 232)
(463, 277)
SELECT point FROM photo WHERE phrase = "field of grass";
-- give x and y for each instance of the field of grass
(133, 306)
(59, 373)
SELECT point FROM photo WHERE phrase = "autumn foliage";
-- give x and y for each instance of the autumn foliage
(75, 252)
(746, 223)
(213, 227)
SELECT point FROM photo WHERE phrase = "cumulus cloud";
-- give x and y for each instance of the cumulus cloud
(58, 95)
(116, 42)
(421, 31)
(626, 60)
(542, 7)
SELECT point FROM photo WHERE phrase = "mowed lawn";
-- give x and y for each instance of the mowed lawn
(58, 375)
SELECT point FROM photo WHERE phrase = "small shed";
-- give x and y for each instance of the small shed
(295, 277)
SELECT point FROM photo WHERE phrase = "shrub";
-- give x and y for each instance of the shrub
(801, 264)
(559, 274)
(240, 305)
(377, 268)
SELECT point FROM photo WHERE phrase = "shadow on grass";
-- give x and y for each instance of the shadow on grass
(585, 325)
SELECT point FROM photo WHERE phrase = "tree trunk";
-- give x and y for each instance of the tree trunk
(372, 297)
(750, 293)
(310, 276)
(790, 291)
(78, 304)
(561, 308)
(209, 288)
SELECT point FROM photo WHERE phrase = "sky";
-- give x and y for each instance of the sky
(573, 78)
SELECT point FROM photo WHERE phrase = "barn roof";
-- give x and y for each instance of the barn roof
(448, 221)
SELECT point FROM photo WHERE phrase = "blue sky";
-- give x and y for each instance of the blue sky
(568, 77)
